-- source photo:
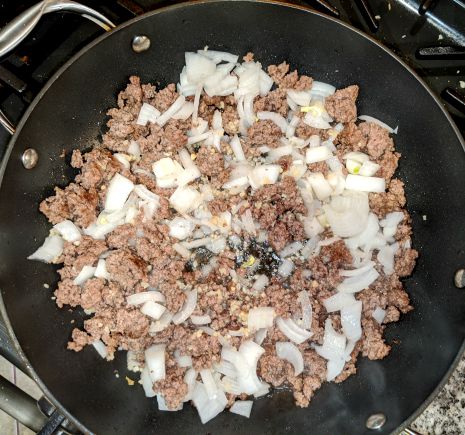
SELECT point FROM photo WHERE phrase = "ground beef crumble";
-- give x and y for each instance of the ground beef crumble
(139, 253)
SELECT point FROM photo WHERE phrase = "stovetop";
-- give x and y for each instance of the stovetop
(429, 35)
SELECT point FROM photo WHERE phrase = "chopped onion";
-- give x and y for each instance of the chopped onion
(160, 324)
(209, 383)
(236, 147)
(260, 335)
(180, 228)
(356, 272)
(317, 154)
(286, 268)
(338, 301)
(185, 199)
(175, 107)
(201, 320)
(134, 149)
(248, 222)
(378, 122)
(260, 317)
(117, 193)
(379, 314)
(306, 305)
(185, 111)
(206, 407)
(350, 320)
(147, 382)
(291, 249)
(368, 169)
(314, 141)
(319, 185)
(301, 98)
(190, 380)
(334, 367)
(198, 67)
(187, 309)
(357, 283)
(101, 270)
(334, 344)
(100, 347)
(390, 222)
(322, 89)
(242, 407)
(50, 250)
(147, 113)
(86, 273)
(357, 156)
(219, 56)
(264, 174)
(274, 117)
(310, 246)
(276, 153)
(290, 352)
(68, 231)
(289, 328)
(365, 184)
(334, 164)
(155, 362)
(123, 159)
(386, 257)
(152, 309)
(163, 407)
(142, 297)
(217, 245)
(347, 214)
(260, 283)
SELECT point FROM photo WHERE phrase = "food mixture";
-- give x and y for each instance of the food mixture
(239, 231)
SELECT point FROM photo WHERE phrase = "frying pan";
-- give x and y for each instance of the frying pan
(70, 113)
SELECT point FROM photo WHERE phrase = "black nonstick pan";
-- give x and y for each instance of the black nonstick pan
(70, 112)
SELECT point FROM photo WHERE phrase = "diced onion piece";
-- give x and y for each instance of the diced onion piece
(248, 222)
(365, 184)
(198, 68)
(359, 271)
(147, 382)
(162, 406)
(386, 257)
(117, 193)
(209, 383)
(379, 314)
(378, 122)
(123, 159)
(301, 98)
(347, 214)
(166, 171)
(134, 149)
(286, 268)
(276, 153)
(357, 283)
(260, 336)
(185, 111)
(132, 362)
(155, 362)
(201, 320)
(306, 305)
(289, 328)
(180, 228)
(260, 317)
(314, 141)
(334, 344)
(352, 166)
(322, 89)
(368, 169)
(100, 347)
(206, 407)
(190, 378)
(147, 113)
(187, 309)
(142, 192)
(290, 352)
(152, 309)
(86, 273)
(390, 222)
(50, 250)
(319, 185)
(219, 56)
(264, 174)
(317, 154)
(217, 245)
(143, 297)
(68, 230)
(101, 270)
(236, 147)
(357, 156)
(333, 368)
(338, 301)
(350, 320)
(182, 250)
(185, 199)
(242, 407)
(274, 117)
(160, 324)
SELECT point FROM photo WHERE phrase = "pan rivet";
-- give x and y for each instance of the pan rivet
(376, 421)
(30, 158)
(140, 43)
(459, 278)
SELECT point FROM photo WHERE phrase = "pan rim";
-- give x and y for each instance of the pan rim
(32, 373)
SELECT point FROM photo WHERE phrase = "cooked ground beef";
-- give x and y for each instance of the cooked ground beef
(140, 254)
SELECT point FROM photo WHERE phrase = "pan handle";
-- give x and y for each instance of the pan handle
(15, 31)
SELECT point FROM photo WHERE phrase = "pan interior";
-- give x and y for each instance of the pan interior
(71, 114)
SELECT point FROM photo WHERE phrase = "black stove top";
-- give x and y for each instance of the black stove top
(429, 35)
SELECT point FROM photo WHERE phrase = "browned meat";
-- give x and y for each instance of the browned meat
(264, 133)
(341, 105)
